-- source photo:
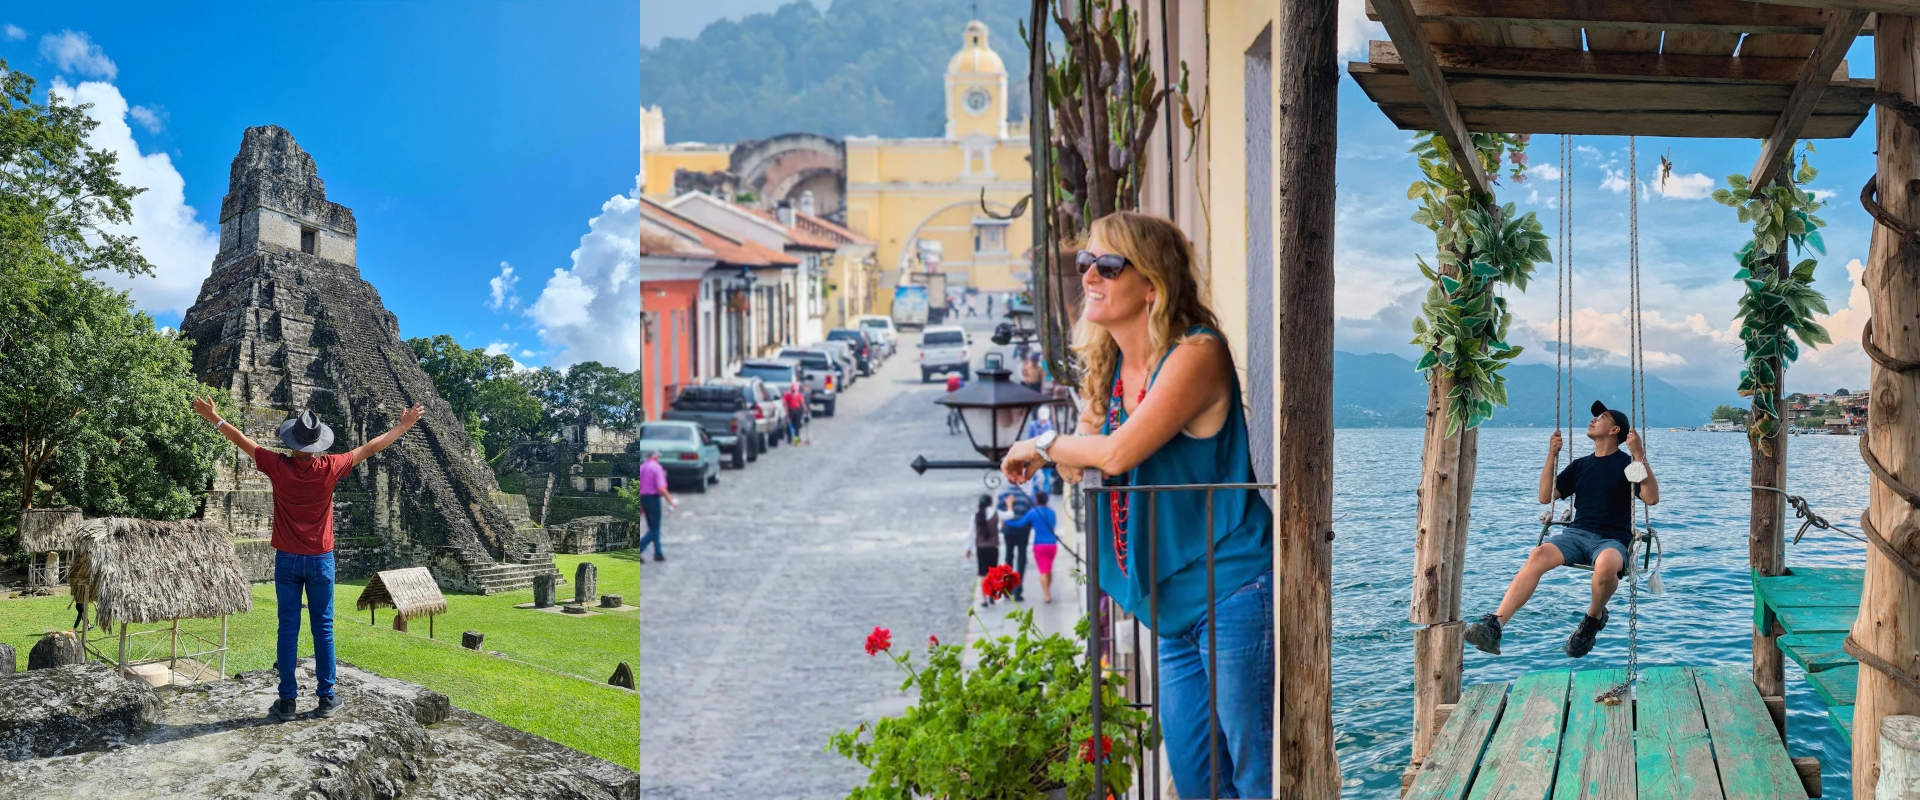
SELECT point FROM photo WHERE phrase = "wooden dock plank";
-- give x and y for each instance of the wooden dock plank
(1814, 586)
(1842, 718)
(1455, 758)
(1596, 754)
(1674, 757)
(1816, 652)
(1752, 759)
(1836, 686)
(1816, 619)
(1519, 761)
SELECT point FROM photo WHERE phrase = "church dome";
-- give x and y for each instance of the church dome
(975, 57)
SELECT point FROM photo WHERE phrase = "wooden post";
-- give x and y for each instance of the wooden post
(223, 645)
(1899, 758)
(175, 655)
(1889, 621)
(1766, 511)
(1306, 74)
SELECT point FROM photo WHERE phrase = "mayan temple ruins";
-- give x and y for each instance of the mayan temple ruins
(285, 323)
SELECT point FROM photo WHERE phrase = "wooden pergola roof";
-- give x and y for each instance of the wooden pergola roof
(1694, 68)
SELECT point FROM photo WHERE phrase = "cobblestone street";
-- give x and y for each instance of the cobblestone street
(752, 630)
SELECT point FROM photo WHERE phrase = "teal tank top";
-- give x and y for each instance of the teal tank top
(1242, 523)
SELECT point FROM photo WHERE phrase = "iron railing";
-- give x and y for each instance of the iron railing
(1109, 627)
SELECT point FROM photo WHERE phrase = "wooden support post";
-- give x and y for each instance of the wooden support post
(1899, 758)
(1436, 661)
(175, 655)
(1843, 25)
(223, 645)
(1889, 621)
(1403, 27)
(1306, 77)
(1766, 511)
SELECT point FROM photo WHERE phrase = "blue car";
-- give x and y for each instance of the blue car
(689, 455)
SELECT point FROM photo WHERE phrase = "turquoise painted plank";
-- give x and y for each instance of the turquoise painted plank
(1455, 758)
(1842, 718)
(1836, 686)
(1520, 759)
(1673, 754)
(1596, 754)
(1814, 586)
(1752, 759)
(1816, 652)
(1816, 619)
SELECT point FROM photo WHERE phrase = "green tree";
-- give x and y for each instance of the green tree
(592, 393)
(1841, 393)
(494, 399)
(1727, 413)
(59, 197)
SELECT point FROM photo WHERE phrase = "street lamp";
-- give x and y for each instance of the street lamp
(995, 412)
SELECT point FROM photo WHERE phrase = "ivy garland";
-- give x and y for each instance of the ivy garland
(1481, 246)
(1777, 300)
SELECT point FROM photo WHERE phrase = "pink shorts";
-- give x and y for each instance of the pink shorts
(1043, 557)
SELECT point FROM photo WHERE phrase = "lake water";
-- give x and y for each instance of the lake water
(1704, 617)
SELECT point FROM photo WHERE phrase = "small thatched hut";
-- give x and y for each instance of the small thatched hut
(50, 531)
(410, 592)
(137, 572)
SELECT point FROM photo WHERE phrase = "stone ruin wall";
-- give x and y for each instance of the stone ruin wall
(284, 330)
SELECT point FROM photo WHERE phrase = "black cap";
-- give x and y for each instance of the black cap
(1619, 418)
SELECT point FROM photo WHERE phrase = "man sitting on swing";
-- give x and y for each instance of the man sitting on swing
(1598, 537)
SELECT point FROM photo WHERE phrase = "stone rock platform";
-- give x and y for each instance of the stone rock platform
(84, 732)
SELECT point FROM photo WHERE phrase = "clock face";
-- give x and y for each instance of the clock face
(977, 100)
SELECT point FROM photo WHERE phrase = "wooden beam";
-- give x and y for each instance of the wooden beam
(1674, 15)
(1460, 59)
(1827, 55)
(1679, 124)
(1907, 7)
(1403, 27)
(1472, 92)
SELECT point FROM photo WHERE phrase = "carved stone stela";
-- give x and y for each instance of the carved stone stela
(285, 323)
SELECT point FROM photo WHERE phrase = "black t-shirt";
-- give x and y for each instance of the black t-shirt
(1602, 496)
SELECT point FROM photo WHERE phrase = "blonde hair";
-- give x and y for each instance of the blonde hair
(1162, 255)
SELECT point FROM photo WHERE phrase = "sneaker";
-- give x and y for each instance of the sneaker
(1581, 642)
(328, 705)
(281, 711)
(1485, 634)
(658, 557)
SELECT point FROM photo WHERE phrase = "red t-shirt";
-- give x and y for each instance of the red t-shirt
(302, 499)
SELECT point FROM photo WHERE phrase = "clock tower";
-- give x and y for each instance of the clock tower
(976, 88)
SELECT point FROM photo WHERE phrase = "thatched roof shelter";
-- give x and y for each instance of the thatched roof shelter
(47, 530)
(143, 571)
(411, 592)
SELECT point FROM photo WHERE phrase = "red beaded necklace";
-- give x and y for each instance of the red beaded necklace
(1117, 504)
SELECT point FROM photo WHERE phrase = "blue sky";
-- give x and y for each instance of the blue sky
(462, 134)
(1686, 240)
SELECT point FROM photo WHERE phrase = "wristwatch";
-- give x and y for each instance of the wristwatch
(1044, 441)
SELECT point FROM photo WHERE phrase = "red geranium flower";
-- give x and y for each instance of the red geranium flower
(999, 582)
(1086, 749)
(932, 642)
(880, 640)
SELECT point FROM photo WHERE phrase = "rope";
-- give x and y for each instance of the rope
(1638, 400)
(1881, 215)
(1880, 356)
(1803, 510)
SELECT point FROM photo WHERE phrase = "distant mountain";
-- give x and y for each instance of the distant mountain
(1381, 390)
(860, 68)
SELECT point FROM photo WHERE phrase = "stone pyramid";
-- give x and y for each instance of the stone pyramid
(285, 323)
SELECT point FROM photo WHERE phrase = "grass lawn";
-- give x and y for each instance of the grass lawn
(575, 708)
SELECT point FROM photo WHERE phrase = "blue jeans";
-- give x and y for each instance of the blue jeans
(1244, 679)
(313, 574)
(650, 508)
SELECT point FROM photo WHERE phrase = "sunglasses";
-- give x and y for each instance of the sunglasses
(1108, 265)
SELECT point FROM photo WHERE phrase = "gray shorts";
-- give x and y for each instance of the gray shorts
(1583, 547)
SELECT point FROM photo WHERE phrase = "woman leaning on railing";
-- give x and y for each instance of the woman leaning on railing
(1163, 409)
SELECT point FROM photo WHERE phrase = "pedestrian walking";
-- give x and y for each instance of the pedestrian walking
(1030, 374)
(303, 539)
(653, 490)
(954, 423)
(1046, 541)
(986, 540)
(1014, 531)
(1164, 398)
(796, 402)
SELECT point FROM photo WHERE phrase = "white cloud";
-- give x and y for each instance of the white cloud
(1615, 182)
(13, 32)
(1685, 187)
(497, 348)
(1545, 172)
(1356, 29)
(592, 311)
(74, 52)
(502, 288)
(1822, 195)
(179, 245)
(1842, 363)
(152, 119)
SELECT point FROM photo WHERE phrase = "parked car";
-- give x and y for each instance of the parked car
(725, 415)
(769, 414)
(842, 352)
(822, 373)
(686, 451)
(882, 331)
(943, 349)
(865, 354)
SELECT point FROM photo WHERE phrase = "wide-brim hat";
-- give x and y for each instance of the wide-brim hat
(1619, 417)
(306, 433)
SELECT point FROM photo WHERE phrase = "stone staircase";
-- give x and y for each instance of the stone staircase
(493, 577)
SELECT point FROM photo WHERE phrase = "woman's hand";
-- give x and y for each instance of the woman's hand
(1021, 462)
(1069, 474)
